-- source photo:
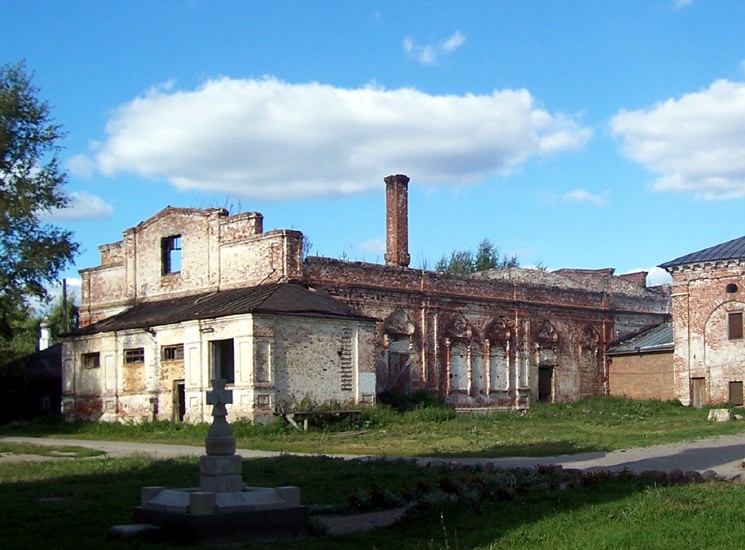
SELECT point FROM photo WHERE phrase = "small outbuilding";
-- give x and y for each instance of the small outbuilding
(642, 367)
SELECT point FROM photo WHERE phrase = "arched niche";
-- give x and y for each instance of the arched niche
(461, 343)
(499, 351)
(398, 340)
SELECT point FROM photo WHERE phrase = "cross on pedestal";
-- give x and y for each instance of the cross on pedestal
(218, 397)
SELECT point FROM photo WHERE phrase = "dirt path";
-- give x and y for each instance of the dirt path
(722, 454)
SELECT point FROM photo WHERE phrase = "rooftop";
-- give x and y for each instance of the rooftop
(278, 298)
(659, 338)
(731, 250)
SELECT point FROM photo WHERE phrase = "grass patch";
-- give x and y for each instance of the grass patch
(593, 424)
(74, 503)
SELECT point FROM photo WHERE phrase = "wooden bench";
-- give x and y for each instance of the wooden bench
(299, 419)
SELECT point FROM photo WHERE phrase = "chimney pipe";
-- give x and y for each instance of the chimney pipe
(397, 220)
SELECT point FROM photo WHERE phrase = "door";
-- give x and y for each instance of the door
(735, 393)
(399, 379)
(698, 392)
(179, 400)
(545, 384)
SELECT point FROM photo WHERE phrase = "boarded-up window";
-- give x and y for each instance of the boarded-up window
(735, 393)
(91, 360)
(734, 325)
(345, 354)
(172, 353)
(134, 355)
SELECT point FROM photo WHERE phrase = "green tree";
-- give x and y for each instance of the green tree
(32, 252)
(487, 256)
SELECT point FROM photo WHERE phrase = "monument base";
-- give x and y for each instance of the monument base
(194, 516)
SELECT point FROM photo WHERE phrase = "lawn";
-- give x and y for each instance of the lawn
(594, 424)
(73, 500)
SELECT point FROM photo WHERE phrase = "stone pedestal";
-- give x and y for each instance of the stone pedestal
(222, 509)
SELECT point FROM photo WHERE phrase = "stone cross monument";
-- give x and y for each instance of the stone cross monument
(222, 509)
(220, 468)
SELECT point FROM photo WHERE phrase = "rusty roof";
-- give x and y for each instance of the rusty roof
(657, 339)
(278, 299)
(731, 250)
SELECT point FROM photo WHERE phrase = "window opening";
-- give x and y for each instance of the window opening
(223, 360)
(172, 353)
(731, 288)
(134, 355)
(171, 254)
(734, 325)
(91, 360)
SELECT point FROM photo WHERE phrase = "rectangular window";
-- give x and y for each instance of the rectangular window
(91, 360)
(172, 353)
(734, 325)
(134, 355)
(171, 254)
(223, 360)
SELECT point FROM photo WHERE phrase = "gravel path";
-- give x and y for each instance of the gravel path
(722, 454)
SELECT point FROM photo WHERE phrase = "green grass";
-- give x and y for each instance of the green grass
(65, 504)
(594, 424)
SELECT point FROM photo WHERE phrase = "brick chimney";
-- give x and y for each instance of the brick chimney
(397, 220)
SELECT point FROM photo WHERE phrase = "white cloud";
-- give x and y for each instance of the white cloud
(658, 276)
(694, 143)
(54, 292)
(373, 245)
(582, 195)
(83, 206)
(267, 139)
(428, 54)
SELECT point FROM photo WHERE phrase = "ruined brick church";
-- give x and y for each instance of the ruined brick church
(190, 295)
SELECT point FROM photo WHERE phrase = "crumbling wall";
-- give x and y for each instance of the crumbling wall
(457, 370)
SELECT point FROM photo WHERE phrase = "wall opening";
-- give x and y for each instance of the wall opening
(223, 360)
(171, 254)
(545, 384)
(179, 400)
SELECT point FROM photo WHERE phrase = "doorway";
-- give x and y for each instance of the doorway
(545, 384)
(179, 400)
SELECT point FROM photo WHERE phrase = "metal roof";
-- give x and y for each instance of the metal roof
(279, 298)
(659, 338)
(731, 250)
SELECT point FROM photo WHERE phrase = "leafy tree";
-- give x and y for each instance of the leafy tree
(487, 256)
(32, 252)
(62, 317)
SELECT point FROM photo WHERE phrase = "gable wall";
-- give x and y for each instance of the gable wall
(218, 252)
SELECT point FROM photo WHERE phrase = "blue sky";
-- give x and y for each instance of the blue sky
(575, 133)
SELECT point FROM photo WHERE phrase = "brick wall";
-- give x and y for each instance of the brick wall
(703, 350)
(642, 376)
(431, 302)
